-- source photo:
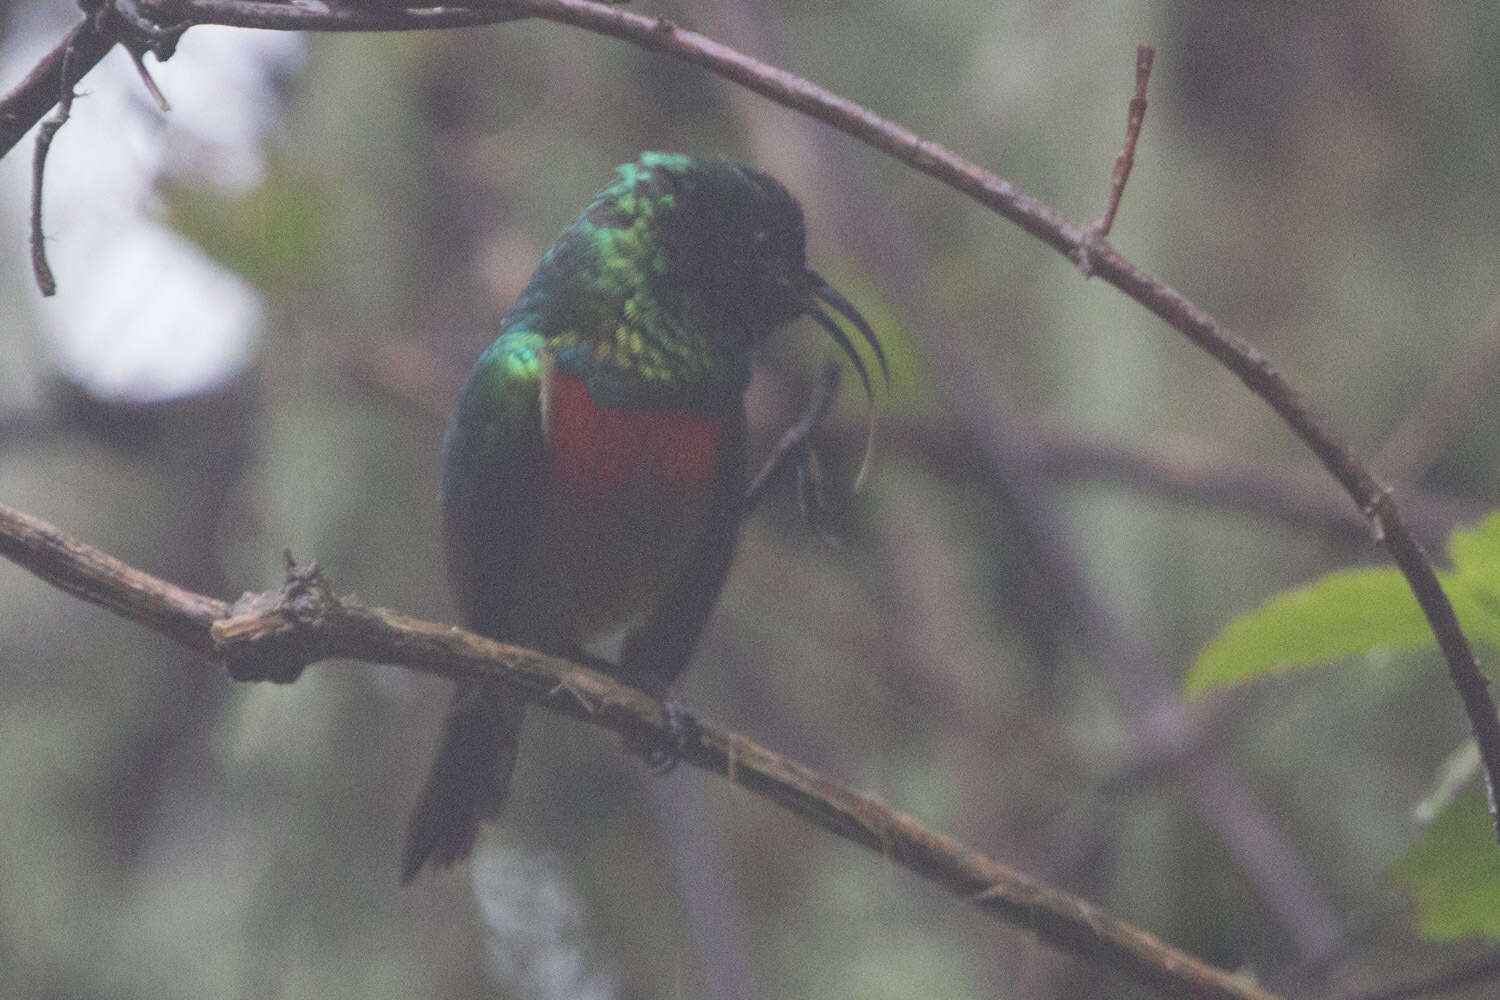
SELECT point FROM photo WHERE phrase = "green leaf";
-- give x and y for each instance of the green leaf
(1342, 614)
(1476, 552)
(1351, 612)
(1453, 873)
(1474, 584)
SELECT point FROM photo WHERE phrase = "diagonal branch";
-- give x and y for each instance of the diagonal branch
(1373, 499)
(275, 634)
(657, 34)
(34, 96)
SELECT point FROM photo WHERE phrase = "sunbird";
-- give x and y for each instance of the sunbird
(594, 465)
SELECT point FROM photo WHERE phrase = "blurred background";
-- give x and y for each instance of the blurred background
(268, 300)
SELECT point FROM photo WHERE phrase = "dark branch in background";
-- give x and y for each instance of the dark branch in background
(1191, 470)
(1136, 676)
(1478, 970)
(274, 635)
(1196, 472)
(1464, 382)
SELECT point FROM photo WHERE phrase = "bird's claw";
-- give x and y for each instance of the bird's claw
(665, 751)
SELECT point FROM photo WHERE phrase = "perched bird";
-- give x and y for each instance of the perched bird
(594, 467)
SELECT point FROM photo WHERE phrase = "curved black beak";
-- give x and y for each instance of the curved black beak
(823, 293)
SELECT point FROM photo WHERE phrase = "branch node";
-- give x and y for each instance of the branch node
(275, 635)
(567, 685)
(140, 32)
(1082, 255)
(1375, 512)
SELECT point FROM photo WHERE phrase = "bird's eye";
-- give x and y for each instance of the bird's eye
(761, 236)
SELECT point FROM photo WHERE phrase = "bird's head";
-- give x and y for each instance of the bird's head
(724, 242)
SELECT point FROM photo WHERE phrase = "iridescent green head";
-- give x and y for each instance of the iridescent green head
(689, 264)
(730, 238)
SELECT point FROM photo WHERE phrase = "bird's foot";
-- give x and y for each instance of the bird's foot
(665, 750)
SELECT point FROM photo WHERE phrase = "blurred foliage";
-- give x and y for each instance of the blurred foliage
(1454, 872)
(273, 235)
(1319, 176)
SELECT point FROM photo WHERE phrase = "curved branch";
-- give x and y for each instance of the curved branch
(274, 635)
(1373, 499)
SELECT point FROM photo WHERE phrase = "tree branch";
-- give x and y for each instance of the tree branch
(1373, 499)
(274, 635)
(1197, 472)
(34, 96)
(1135, 118)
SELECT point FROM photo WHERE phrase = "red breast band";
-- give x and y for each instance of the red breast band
(603, 450)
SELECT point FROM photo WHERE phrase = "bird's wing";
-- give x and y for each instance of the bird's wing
(492, 458)
(492, 467)
(659, 651)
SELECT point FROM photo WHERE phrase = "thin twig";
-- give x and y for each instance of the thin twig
(138, 57)
(1144, 55)
(274, 635)
(31, 99)
(39, 266)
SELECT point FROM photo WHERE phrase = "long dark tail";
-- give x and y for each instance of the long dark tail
(469, 780)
